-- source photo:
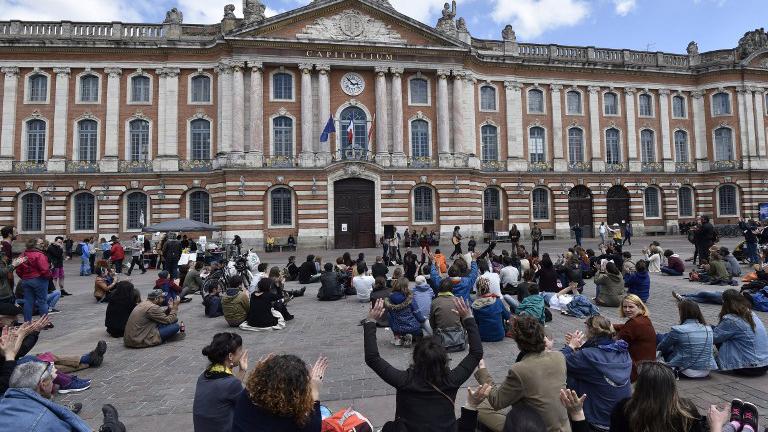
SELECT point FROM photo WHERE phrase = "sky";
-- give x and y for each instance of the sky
(654, 25)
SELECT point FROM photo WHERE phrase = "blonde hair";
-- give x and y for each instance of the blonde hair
(637, 302)
(598, 325)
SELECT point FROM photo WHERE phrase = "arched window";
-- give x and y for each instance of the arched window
(726, 201)
(138, 131)
(84, 212)
(678, 107)
(540, 204)
(87, 134)
(645, 105)
(282, 86)
(723, 144)
(721, 104)
(652, 205)
(282, 130)
(200, 134)
(136, 208)
(612, 146)
(610, 104)
(360, 127)
(31, 213)
(36, 141)
(536, 144)
(282, 207)
(681, 146)
(491, 204)
(573, 102)
(140, 88)
(422, 204)
(575, 145)
(490, 143)
(419, 91)
(38, 88)
(89, 88)
(201, 89)
(535, 101)
(487, 98)
(200, 207)
(685, 202)
(419, 139)
(647, 146)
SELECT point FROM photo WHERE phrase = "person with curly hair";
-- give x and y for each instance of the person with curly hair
(281, 395)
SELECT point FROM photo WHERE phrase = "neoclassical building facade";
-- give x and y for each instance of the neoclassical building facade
(109, 126)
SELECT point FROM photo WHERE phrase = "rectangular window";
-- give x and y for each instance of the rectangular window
(651, 203)
(84, 212)
(727, 202)
(611, 104)
(645, 105)
(490, 142)
(32, 213)
(282, 214)
(536, 101)
(685, 202)
(140, 89)
(573, 100)
(137, 209)
(89, 89)
(540, 204)
(678, 107)
(282, 86)
(38, 88)
(201, 140)
(419, 91)
(681, 147)
(87, 137)
(487, 98)
(612, 148)
(201, 89)
(422, 205)
(536, 144)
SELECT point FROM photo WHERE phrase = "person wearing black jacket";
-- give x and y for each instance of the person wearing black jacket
(705, 238)
(308, 272)
(331, 288)
(171, 255)
(55, 254)
(426, 391)
(379, 268)
(292, 269)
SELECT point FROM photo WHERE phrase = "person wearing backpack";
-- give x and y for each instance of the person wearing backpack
(212, 303)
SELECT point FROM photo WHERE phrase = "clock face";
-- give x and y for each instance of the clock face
(352, 84)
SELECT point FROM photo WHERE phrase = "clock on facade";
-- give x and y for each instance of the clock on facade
(352, 84)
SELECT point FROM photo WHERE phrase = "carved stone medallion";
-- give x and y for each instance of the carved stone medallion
(351, 25)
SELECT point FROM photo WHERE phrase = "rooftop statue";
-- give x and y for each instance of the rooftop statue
(173, 16)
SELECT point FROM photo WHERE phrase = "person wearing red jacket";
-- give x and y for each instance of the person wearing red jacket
(117, 255)
(35, 274)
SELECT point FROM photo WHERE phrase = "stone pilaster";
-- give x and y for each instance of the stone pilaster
(629, 111)
(598, 162)
(255, 155)
(666, 133)
(749, 109)
(458, 113)
(238, 111)
(168, 121)
(324, 84)
(557, 128)
(224, 112)
(10, 84)
(516, 160)
(470, 143)
(109, 162)
(57, 163)
(307, 158)
(760, 115)
(381, 123)
(700, 130)
(443, 120)
(398, 155)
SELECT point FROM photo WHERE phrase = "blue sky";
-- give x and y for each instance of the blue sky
(660, 25)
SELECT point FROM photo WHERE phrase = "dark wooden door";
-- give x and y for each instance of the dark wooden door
(354, 214)
(580, 209)
(618, 205)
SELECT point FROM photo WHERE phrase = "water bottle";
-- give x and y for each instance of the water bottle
(182, 327)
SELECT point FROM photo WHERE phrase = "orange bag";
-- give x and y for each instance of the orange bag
(347, 420)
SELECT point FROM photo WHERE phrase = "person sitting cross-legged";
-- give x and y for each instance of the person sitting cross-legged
(490, 313)
(150, 323)
(124, 298)
(235, 302)
(688, 347)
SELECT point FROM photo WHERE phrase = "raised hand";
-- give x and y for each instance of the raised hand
(316, 376)
(718, 415)
(478, 395)
(243, 364)
(573, 403)
(461, 308)
(10, 342)
(377, 311)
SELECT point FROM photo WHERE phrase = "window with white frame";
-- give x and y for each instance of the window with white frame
(645, 105)
(36, 134)
(89, 88)
(487, 98)
(575, 145)
(136, 210)
(419, 91)
(681, 146)
(652, 206)
(282, 130)
(491, 204)
(490, 143)
(31, 213)
(87, 140)
(422, 204)
(647, 146)
(726, 201)
(201, 89)
(685, 202)
(610, 104)
(38, 88)
(678, 107)
(200, 207)
(573, 102)
(140, 89)
(612, 146)
(536, 144)
(138, 134)
(282, 86)
(84, 212)
(540, 204)
(723, 144)
(419, 139)
(200, 136)
(282, 207)
(721, 104)
(536, 101)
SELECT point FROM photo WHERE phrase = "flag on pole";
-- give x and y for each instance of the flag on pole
(370, 131)
(330, 127)
(351, 132)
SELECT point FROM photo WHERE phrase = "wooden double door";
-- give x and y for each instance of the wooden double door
(580, 209)
(354, 214)
(617, 205)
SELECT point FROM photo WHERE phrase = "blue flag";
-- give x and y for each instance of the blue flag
(329, 127)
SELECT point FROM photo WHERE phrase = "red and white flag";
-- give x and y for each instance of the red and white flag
(351, 132)
(371, 129)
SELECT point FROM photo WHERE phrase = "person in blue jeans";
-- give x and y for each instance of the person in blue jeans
(35, 273)
(85, 257)
(51, 300)
(710, 297)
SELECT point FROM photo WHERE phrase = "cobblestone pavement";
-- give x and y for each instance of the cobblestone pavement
(154, 388)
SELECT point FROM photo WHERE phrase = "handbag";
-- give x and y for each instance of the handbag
(453, 339)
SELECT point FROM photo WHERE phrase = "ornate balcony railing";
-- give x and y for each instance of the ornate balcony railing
(421, 162)
(616, 167)
(725, 165)
(82, 167)
(353, 154)
(196, 165)
(493, 165)
(685, 167)
(280, 162)
(580, 166)
(29, 167)
(540, 166)
(652, 167)
(137, 166)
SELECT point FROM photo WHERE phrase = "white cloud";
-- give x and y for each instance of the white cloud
(421, 10)
(624, 7)
(77, 10)
(531, 18)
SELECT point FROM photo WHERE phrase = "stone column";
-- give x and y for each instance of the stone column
(381, 122)
(666, 135)
(168, 144)
(629, 111)
(57, 163)
(10, 84)
(238, 112)
(398, 155)
(161, 123)
(557, 129)
(443, 120)
(595, 133)
(255, 156)
(470, 143)
(324, 84)
(307, 158)
(749, 109)
(458, 113)
(700, 130)
(516, 160)
(224, 133)
(109, 162)
(760, 115)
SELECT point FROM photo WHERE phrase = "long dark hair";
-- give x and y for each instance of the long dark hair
(736, 304)
(430, 361)
(690, 310)
(655, 404)
(123, 290)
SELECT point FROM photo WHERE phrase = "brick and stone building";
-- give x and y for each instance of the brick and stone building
(105, 123)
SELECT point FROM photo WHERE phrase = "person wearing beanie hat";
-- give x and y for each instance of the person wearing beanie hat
(150, 323)
(423, 295)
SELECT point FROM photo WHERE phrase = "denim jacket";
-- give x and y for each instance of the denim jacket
(23, 410)
(739, 346)
(689, 346)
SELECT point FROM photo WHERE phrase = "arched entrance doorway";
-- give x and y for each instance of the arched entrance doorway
(580, 209)
(618, 205)
(354, 214)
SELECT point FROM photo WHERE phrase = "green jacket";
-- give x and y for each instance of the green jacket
(533, 306)
(6, 290)
(717, 270)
